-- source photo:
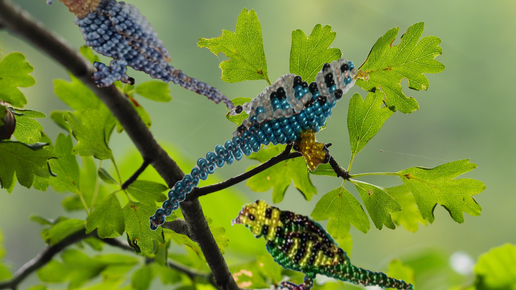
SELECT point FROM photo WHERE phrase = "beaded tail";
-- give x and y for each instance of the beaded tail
(118, 30)
(369, 278)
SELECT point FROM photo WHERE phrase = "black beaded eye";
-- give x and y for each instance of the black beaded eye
(295, 147)
(326, 66)
(344, 67)
(268, 213)
(338, 94)
(304, 84)
(250, 216)
(328, 80)
(238, 109)
(241, 128)
(273, 95)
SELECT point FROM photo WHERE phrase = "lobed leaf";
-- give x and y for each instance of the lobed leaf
(107, 218)
(23, 162)
(309, 54)
(386, 65)
(280, 176)
(244, 48)
(342, 209)
(63, 229)
(89, 128)
(379, 204)
(27, 129)
(14, 73)
(139, 234)
(432, 186)
(324, 169)
(75, 94)
(365, 119)
(399, 271)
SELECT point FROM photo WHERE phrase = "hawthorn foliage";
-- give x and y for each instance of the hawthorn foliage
(74, 164)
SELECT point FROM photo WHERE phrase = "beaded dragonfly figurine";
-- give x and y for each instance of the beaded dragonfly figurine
(298, 243)
(288, 111)
(118, 30)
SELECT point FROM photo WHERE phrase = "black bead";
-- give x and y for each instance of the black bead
(273, 95)
(344, 67)
(304, 84)
(251, 217)
(268, 213)
(309, 103)
(238, 109)
(322, 100)
(297, 81)
(338, 94)
(281, 93)
(326, 66)
(313, 87)
(265, 230)
(241, 128)
(328, 80)
(295, 147)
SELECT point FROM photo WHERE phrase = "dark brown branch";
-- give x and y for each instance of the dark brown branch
(181, 227)
(338, 170)
(20, 22)
(285, 155)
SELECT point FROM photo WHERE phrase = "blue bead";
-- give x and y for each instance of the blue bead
(332, 89)
(259, 110)
(213, 161)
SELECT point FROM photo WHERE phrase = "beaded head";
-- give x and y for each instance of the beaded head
(259, 217)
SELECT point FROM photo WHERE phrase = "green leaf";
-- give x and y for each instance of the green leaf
(496, 269)
(108, 217)
(379, 204)
(142, 278)
(399, 271)
(75, 94)
(249, 276)
(62, 230)
(141, 112)
(88, 53)
(279, 176)
(432, 186)
(65, 166)
(58, 118)
(154, 90)
(53, 272)
(365, 118)
(409, 216)
(40, 220)
(270, 269)
(106, 177)
(89, 129)
(14, 73)
(148, 191)
(238, 119)
(26, 161)
(387, 65)
(309, 54)
(27, 129)
(324, 169)
(139, 234)
(218, 234)
(342, 209)
(244, 48)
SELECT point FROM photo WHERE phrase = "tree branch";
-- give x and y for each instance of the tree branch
(43, 258)
(285, 155)
(20, 22)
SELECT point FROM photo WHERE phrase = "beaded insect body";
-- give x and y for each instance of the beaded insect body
(298, 243)
(118, 30)
(288, 111)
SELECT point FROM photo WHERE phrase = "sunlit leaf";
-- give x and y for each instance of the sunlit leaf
(244, 48)
(309, 54)
(107, 218)
(409, 216)
(14, 73)
(139, 234)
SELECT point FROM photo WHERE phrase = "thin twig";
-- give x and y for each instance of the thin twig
(43, 258)
(136, 174)
(285, 155)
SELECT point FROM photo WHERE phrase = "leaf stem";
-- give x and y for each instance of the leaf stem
(97, 186)
(374, 173)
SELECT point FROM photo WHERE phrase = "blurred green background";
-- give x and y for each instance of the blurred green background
(467, 112)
